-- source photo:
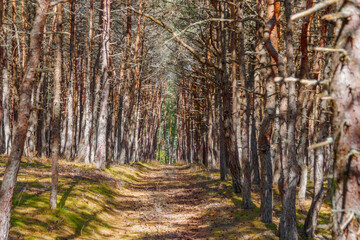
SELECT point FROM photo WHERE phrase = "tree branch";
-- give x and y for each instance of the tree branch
(58, 2)
(315, 8)
(176, 36)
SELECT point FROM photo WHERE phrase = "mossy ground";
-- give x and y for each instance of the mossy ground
(137, 201)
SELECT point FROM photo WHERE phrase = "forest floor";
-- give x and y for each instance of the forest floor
(138, 201)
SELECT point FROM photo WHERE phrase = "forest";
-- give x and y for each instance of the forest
(179, 119)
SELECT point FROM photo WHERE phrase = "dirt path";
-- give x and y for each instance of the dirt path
(181, 203)
(139, 201)
(166, 204)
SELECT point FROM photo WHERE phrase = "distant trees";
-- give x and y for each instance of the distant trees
(97, 82)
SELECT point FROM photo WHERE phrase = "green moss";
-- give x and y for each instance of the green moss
(271, 226)
(85, 204)
(237, 202)
(81, 203)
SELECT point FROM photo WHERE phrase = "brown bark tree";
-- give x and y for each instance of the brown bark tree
(69, 147)
(55, 148)
(232, 155)
(85, 144)
(288, 227)
(266, 127)
(345, 93)
(13, 164)
(104, 73)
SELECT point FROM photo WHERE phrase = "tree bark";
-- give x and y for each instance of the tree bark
(56, 108)
(292, 171)
(85, 146)
(345, 92)
(127, 85)
(103, 115)
(245, 154)
(13, 164)
(319, 172)
(5, 88)
(6, 107)
(2, 67)
(232, 155)
(69, 148)
(266, 127)
(306, 104)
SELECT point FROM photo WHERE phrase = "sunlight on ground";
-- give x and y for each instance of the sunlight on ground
(138, 201)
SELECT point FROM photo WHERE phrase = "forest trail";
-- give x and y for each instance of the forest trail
(168, 203)
(180, 202)
(136, 201)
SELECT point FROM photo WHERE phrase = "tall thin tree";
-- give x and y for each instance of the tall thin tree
(104, 73)
(13, 164)
(56, 107)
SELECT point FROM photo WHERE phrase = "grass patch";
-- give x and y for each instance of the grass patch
(230, 221)
(86, 199)
(90, 202)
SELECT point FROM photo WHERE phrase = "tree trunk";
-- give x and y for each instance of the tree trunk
(319, 171)
(5, 89)
(226, 119)
(232, 158)
(245, 137)
(13, 164)
(6, 108)
(56, 108)
(292, 171)
(72, 75)
(103, 115)
(266, 127)
(345, 92)
(2, 67)
(266, 207)
(127, 84)
(85, 146)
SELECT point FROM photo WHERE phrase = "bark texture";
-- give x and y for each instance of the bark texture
(13, 164)
(345, 92)
(103, 116)
(56, 109)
